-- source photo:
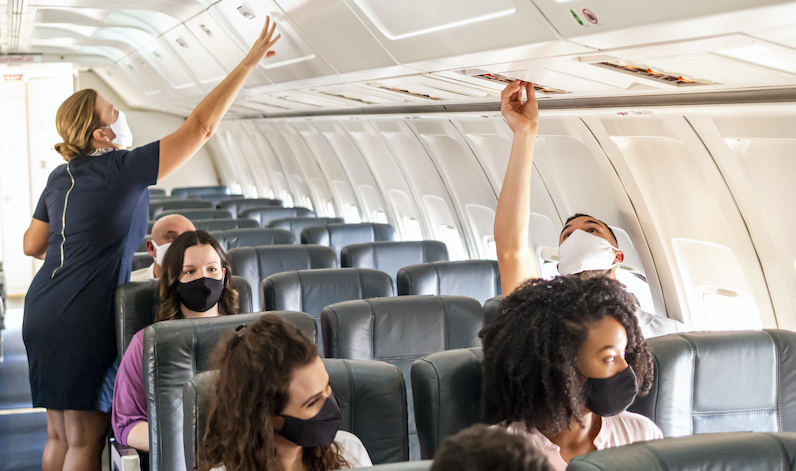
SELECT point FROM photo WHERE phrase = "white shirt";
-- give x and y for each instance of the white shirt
(351, 448)
(655, 326)
(143, 274)
(622, 429)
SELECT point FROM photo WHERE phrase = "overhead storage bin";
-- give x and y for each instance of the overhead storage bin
(170, 66)
(199, 60)
(140, 71)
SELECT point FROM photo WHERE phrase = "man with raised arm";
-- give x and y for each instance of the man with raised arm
(587, 246)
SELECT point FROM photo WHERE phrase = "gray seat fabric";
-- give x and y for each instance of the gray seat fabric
(142, 260)
(175, 351)
(215, 199)
(338, 236)
(186, 191)
(233, 238)
(479, 279)
(224, 224)
(311, 290)
(137, 303)
(235, 206)
(195, 214)
(406, 466)
(257, 263)
(142, 246)
(265, 215)
(390, 257)
(399, 331)
(156, 192)
(296, 225)
(491, 307)
(720, 451)
(448, 395)
(371, 396)
(157, 207)
(708, 382)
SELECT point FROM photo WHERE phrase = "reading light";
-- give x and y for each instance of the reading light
(246, 11)
(206, 30)
(179, 40)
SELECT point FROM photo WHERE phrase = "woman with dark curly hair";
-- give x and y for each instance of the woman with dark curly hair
(195, 283)
(563, 360)
(273, 407)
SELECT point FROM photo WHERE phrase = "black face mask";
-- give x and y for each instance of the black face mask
(200, 295)
(611, 396)
(317, 431)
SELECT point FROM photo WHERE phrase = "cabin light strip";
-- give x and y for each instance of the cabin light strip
(27, 410)
(383, 29)
(288, 62)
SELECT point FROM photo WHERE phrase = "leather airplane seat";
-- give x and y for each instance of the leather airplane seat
(142, 246)
(157, 207)
(187, 191)
(448, 396)
(265, 215)
(296, 225)
(195, 214)
(234, 238)
(390, 257)
(399, 331)
(491, 307)
(235, 206)
(479, 279)
(137, 303)
(156, 192)
(142, 260)
(174, 352)
(311, 290)
(224, 224)
(215, 199)
(737, 451)
(338, 236)
(708, 382)
(405, 466)
(371, 395)
(254, 264)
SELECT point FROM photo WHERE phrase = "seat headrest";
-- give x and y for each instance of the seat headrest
(264, 215)
(195, 214)
(479, 279)
(224, 224)
(696, 387)
(215, 199)
(737, 451)
(156, 192)
(235, 206)
(142, 260)
(296, 225)
(233, 238)
(157, 207)
(257, 263)
(338, 236)
(491, 307)
(390, 257)
(186, 191)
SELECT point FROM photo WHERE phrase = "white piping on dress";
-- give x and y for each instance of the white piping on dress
(63, 219)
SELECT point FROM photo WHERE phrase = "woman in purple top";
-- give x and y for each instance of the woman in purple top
(195, 283)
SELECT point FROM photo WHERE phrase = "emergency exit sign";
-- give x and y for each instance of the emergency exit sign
(12, 78)
(20, 59)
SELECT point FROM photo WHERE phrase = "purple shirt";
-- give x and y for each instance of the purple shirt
(129, 397)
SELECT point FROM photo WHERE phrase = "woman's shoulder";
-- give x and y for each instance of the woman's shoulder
(635, 427)
(352, 449)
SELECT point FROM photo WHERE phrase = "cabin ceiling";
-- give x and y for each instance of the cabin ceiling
(353, 56)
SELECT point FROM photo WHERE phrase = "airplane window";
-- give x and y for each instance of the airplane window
(413, 230)
(380, 217)
(236, 188)
(271, 194)
(549, 269)
(308, 203)
(255, 193)
(330, 209)
(288, 200)
(728, 310)
(352, 215)
(454, 242)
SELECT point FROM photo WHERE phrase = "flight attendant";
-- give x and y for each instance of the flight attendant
(90, 219)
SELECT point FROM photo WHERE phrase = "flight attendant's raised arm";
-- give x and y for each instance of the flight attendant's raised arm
(515, 257)
(182, 144)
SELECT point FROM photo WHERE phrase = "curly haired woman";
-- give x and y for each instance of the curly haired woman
(563, 360)
(273, 407)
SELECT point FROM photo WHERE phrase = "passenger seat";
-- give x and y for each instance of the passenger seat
(479, 279)
(390, 257)
(196, 214)
(234, 238)
(235, 206)
(296, 225)
(265, 215)
(338, 236)
(188, 191)
(157, 207)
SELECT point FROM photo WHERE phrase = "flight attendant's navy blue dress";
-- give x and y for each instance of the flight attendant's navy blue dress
(97, 208)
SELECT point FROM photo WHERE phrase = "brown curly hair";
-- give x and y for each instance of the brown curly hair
(75, 121)
(531, 348)
(172, 268)
(252, 386)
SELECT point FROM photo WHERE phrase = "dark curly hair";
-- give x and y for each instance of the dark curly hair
(484, 448)
(531, 348)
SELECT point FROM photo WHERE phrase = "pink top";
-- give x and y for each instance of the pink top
(622, 429)
(129, 396)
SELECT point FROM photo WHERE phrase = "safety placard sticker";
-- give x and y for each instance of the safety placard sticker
(584, 17)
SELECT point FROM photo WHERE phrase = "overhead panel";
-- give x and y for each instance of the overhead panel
(200, 61)
(296, 58)
(170, 66)
(140, 71)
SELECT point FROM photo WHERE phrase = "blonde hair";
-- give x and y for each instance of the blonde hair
(75, 121)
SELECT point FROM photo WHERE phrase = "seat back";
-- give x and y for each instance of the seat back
(390, 257)
(265, 215)
(235, 206)
(736, 451)
(156, 191)
(137, 304)
(399, 331)
(479, 279)
(234, 238)
(708, 382)
(448, 395)
(338, 236)
(491, 307)
(175, 351)
(157, 207)
(296, 225)
(311, 290)
(224, 224)
(142, 260)
(215, 199)
(257, 263)
(371, 395)
(195, 214)
(186, 191)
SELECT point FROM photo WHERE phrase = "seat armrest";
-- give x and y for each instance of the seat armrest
(124, 458)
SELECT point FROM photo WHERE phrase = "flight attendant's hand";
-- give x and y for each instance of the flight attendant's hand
(522, 117)
(262, 47)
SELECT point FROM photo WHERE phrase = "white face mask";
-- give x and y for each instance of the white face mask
(124, 136)
(583, 251)
(160, 252)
